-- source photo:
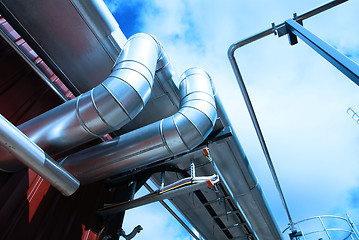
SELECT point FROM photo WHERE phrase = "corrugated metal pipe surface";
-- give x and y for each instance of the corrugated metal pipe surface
(105, 108)
(170, 136)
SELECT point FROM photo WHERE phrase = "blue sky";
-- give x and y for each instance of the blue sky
(300, 99)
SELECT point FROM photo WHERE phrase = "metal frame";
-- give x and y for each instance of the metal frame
(351, 230)
(168, 192)
(280, 30)
(337, 59)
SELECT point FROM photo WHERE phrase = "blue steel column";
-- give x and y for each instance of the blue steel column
(336, 58)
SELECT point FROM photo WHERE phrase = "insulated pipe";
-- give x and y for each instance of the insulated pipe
(238, 175)
(168, 137)
(105, 108)
(16, 143)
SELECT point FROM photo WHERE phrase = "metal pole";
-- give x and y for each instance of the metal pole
(179, 220)
(324, 227)
(33, 66)
(259, 134)
(355, 230)
(247, 100)
(336, 58)
(26, 151)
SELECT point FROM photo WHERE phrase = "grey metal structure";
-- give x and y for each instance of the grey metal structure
(168, 137)
(327, 227)
(236, 208)
(290, 27)
(337, 59)
(192, 184)
(16, 143)
(60, 31)
(104, 109)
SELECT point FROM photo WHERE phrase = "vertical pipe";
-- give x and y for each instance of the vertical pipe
(324, 228)
(253, 116)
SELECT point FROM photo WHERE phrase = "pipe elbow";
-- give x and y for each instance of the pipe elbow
(197, 115)
(127, 89)
(105, 108)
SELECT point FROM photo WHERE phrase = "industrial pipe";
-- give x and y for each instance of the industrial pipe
(168, 137)
(17, 144)
(104, 109)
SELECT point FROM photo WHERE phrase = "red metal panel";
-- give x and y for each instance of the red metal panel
(29, 207)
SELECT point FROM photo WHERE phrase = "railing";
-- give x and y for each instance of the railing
(326, 228)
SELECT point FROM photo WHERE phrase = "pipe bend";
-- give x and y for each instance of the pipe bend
(173, 135)
(105, 108)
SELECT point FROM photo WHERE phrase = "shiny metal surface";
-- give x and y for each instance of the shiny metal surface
(243, 190)
(173, 135)
(164, 100)
(214, 214)
(78, 39)
(102, 23)
(103, 109)
(16, 143)
(238, 174)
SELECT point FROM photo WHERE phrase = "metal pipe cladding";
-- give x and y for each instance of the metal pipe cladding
(105, 108)
(16, 143)
(170, 136)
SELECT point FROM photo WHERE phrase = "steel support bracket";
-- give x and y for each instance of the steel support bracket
(295, 235)
(291, 36)
(336, 58)
(184, 186)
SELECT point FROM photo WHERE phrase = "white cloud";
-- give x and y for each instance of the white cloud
(300, 99)
(156, 223)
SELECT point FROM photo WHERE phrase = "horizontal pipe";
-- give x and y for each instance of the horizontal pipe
(104, 109)
(17, 144)
(168, 137)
